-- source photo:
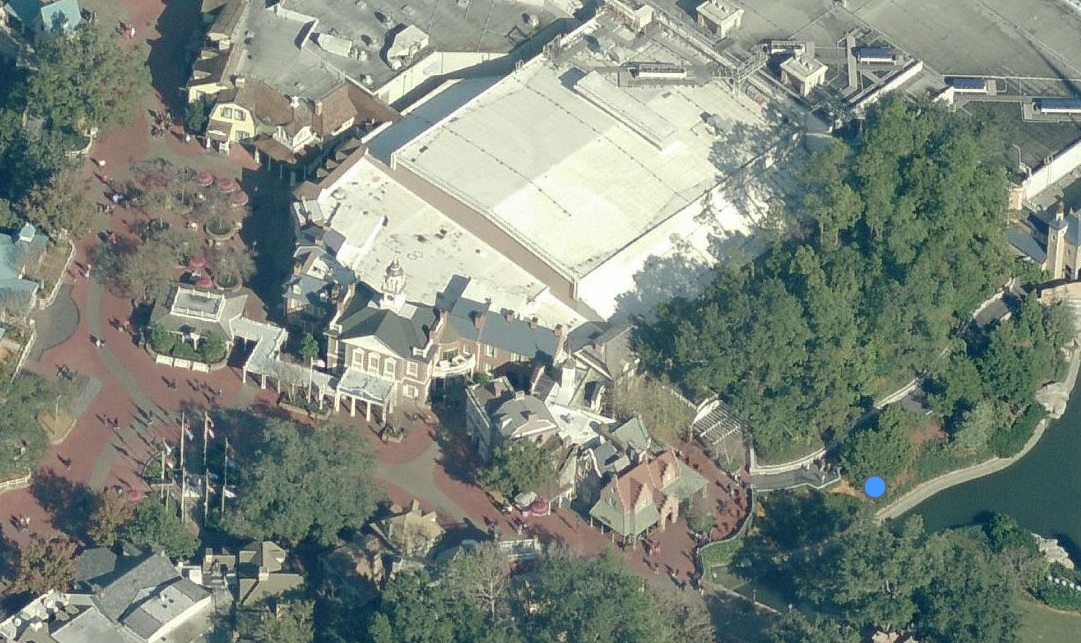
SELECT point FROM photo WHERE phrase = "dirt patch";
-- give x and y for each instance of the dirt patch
(58, 427)
(930, 431)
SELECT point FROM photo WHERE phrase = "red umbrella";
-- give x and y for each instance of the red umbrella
(227, 184)
(196, 263)
(239, 198)
(539, 506)
(204, 178)
(205, 282)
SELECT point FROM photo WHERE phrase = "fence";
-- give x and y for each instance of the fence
(730, 540)
(16, 483)
(45, 302)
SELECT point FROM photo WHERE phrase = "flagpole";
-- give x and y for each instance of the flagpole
(224, 475)
(206, 472)
(183, 473)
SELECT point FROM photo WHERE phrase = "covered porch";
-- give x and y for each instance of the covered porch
(372, 393)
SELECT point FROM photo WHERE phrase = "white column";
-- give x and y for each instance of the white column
(352, 406)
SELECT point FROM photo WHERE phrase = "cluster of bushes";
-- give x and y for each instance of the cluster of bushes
(211, 350)
(1061, 597)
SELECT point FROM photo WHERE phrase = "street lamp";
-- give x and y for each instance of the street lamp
(56, 412)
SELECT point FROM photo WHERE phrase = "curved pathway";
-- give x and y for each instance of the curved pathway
(927, 489)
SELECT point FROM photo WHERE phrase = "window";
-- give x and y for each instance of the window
(358, 359)
(449, 355)
(411, 391)
(373, 363)
(227, 112)
(411, 369)
(388, 368)
(241, 115)
(489, 350)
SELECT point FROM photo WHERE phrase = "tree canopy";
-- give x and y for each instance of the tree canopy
(569, 598)
(86, 80)
(44, 565)
(517, 467)
(899, 236)
(946, 587)
(304, 484)
(155, 525)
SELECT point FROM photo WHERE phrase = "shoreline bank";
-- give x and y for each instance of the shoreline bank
(926, 490)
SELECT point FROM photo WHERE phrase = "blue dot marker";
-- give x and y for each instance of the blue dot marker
(874, 486)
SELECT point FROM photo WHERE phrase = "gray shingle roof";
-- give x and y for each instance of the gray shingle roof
(400, 332)
(512, 335)
(153, 572)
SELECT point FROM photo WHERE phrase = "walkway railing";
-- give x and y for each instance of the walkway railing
(16, 483)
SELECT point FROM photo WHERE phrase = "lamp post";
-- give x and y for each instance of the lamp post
(56, 412)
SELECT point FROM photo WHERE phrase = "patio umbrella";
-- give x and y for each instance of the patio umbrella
(239, 198)
(197, 263)
(205, 282)
(227, 184)
(204, 178)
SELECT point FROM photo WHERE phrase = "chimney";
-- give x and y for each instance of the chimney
(1060, 213)
(508, 315)
(478, 319)
(561, 342)
(533, 323)
(264, 574)
(318, 108)
(566, 381)
(238, 82)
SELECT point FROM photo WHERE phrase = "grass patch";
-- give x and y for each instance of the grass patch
(719, 554)
(1044, 625)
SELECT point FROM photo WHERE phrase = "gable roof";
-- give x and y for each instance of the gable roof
(142, 580)
(499, 329)
(515, 415)
(400, 332)
(267, 105)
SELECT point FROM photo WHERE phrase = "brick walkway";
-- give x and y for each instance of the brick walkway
(132, 385)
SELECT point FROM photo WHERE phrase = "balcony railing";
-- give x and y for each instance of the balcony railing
(459, 365)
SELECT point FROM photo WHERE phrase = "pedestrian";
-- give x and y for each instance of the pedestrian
(100, 162)
(187, 138)
(219, 392)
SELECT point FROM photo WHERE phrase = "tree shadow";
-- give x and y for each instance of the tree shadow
(458, 456)
(168, 60)
(70, 504)
(269, 217)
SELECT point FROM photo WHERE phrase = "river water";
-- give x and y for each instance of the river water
(1042, 490)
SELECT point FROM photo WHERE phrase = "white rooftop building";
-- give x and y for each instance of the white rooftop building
(567, 186)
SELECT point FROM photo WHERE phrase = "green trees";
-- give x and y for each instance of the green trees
(85, 80)
(309, 347)
(154, 525)
(277, 621)
(517, 467)
(570, 598)
(27, 400)
(304, 485)
(941, 587)
(883, 449)
(899, 237)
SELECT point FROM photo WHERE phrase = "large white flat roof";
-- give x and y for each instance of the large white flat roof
(430, 246)
(573, 178)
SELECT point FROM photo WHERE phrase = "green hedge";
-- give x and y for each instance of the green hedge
(1008, 441)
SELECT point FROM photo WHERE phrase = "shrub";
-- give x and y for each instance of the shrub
(1009, 440)
(162, 340)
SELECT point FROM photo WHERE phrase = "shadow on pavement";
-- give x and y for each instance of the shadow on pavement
(70, 504)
